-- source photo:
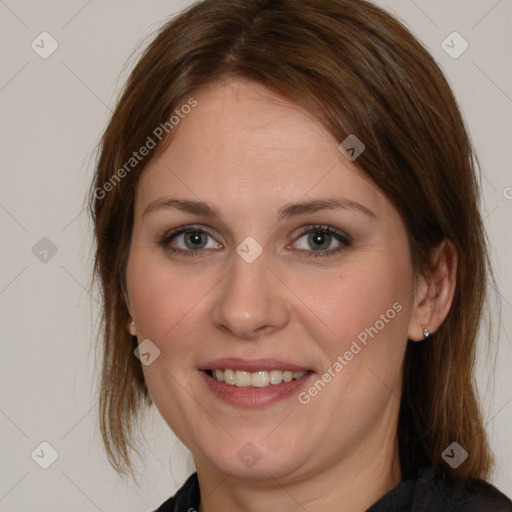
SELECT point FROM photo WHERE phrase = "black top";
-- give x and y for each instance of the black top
(426, 493)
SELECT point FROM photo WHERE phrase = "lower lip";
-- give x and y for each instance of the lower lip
(253, 397)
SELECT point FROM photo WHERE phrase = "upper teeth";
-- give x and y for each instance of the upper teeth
(260, 379)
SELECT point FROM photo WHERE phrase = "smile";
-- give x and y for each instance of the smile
(254, 383)
(257, 379)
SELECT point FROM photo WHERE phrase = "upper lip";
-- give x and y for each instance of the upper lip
(251, 365)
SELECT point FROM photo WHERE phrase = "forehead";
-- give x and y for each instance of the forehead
(244, 122)
(243, 141)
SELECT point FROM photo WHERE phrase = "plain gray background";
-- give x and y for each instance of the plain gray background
(53, 112)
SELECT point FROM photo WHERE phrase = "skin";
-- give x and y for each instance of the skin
(248, 152)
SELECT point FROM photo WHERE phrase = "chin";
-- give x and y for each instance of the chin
(258, 457)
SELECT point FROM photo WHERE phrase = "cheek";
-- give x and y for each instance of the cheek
(164, 300)
(167, 307)
(366, 308)
(367, 300)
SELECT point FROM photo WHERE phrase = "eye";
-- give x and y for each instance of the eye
(189, 239)
(317, 240)
(322, 241)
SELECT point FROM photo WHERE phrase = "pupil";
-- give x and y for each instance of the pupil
(193, 240)
(321, 240)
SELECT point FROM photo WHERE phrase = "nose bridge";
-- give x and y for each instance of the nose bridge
(250, 301)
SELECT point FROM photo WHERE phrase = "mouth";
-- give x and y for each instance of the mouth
(254, 383)
(258, 379)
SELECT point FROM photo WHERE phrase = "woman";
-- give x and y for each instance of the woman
(293, 263)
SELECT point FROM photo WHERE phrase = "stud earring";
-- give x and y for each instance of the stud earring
(426, 333)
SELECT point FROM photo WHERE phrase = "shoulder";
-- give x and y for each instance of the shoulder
(433, 493)
(185, 500)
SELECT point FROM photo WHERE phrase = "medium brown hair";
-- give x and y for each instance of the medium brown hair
(359, 71)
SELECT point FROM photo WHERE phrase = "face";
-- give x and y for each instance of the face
(261, 254)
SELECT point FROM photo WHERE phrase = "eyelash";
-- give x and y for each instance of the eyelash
(345, 240)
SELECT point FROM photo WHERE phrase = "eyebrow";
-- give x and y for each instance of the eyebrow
(286, 211)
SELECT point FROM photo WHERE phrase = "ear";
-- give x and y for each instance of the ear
(434, 291)
(132, 329)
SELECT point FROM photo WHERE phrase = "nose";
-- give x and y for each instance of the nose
(251, 300)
